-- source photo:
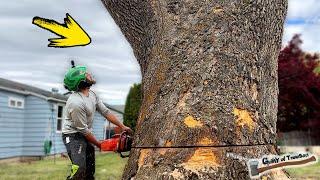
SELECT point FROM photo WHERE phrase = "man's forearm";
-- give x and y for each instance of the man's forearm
(90, 137)
(112, 118)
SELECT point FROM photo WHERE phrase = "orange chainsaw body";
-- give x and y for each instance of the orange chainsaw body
(110, 144)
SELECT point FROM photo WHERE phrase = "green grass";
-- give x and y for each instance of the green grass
(307, 172)
(108, 166)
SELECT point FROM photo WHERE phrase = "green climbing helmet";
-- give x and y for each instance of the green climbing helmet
(74, 76)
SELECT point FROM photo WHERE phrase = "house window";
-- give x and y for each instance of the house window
(60, 118)
(16, 102)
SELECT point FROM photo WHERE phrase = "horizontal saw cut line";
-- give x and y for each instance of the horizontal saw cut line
(213, 146)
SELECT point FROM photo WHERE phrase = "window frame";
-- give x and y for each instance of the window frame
(16, 100)
(59, 118)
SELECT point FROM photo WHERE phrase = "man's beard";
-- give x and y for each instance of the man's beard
(86, 84)
(93, 81)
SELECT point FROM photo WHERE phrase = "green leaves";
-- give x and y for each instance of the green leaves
(132, 106)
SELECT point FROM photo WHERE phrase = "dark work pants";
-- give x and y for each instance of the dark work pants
(81, 154)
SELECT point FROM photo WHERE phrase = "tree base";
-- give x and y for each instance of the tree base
(196, 163)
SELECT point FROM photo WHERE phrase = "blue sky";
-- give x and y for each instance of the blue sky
(25, 57)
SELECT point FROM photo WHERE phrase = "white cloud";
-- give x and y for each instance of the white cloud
(309, 35)
(290, 31)
(17, 73)
(303, 8)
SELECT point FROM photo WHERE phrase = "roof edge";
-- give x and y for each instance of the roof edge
(31, 93)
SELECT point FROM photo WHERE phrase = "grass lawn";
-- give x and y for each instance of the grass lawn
(307, 172)
(108, 166)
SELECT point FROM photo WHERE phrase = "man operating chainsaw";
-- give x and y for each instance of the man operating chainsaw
(77, 130)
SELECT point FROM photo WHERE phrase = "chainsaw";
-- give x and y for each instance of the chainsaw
(118, 143)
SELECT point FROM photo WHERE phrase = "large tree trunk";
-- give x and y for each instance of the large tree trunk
(209, 77)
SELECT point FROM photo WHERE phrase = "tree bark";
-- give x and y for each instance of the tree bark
(209, 78)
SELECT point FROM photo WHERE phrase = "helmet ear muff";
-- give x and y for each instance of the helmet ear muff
(66, 87)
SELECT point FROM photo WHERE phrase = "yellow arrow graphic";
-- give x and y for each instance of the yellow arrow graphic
(71, 33)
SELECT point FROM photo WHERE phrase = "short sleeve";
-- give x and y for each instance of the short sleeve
(79, 119)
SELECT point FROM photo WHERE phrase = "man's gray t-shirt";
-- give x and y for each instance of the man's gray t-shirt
(80, 110)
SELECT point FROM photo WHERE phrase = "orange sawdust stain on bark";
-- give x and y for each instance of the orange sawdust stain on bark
(205, 141)
(168, 143)
(244, 119)
(217, 10)
(278, 174)
(176, 174)
(143, 154)
(201, 158)
(162, 151)
(192, 123)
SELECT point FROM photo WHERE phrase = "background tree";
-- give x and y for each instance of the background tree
(132, 106)
(209, 78)
(299, 88)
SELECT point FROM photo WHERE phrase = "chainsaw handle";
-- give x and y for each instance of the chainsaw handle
(120, 135)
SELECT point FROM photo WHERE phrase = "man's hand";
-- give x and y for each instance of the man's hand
(127, 129)
(99, 144)
(90, 137)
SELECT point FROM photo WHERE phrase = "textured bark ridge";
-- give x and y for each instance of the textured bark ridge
(209, 77)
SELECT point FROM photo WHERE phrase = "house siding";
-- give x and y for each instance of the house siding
(38, 122)
(11, 126)
(119, 116)
(98, 126)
